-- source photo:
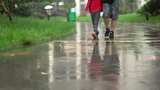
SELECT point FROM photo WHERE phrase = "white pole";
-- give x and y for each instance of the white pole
(78, 51)
(51, 65)
(78, 7)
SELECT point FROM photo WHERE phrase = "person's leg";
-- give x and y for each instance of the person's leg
(106, 17)
(113, 25)
(106, 14)
(95, 21)
(106, 21)
(114, 19)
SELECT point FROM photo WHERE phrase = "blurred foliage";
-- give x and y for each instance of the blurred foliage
(31, 9)
(30, 30)
(36, 7)
(152, 7)
(127, 6)
(69, 5)
(23, 7)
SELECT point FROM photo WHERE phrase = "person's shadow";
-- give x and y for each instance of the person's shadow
(106, 68)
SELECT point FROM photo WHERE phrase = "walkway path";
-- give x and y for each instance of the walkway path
(130, 62)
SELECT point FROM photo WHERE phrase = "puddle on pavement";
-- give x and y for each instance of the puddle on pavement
(11, 54)
(82, 64)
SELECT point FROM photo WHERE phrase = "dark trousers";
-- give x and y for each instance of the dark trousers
(95, 20)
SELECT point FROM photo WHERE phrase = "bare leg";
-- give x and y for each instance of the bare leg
(106, 21)
(113, 25)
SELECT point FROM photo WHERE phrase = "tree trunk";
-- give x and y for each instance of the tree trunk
(7, 12)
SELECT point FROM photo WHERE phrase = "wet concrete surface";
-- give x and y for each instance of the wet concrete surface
(129, 62)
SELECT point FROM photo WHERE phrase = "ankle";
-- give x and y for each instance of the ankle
(96, 32)
(107, 29)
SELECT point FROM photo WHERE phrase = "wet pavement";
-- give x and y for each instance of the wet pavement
(129, 62)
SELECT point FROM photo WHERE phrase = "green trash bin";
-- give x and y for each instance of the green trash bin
(71, 15)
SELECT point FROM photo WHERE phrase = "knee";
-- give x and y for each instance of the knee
(106, 17)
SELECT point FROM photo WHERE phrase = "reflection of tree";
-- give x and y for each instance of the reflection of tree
(59, 48)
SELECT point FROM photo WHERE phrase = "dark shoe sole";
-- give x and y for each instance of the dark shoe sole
(111, 34)
(106, 33)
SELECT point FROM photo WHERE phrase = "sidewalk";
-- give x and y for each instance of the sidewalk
(130, 62)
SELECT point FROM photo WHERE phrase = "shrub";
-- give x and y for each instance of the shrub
(30, 9)
(152, 7)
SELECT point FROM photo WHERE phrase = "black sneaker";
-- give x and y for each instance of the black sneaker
(97, 33)
(111, 34)
(107, 32)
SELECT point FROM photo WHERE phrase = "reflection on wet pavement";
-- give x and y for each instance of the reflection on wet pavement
(130, 62)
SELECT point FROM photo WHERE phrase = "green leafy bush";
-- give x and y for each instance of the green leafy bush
(30, 9)
(152, 7)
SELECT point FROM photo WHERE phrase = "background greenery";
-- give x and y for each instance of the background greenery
(130, 18)
(29, 31)
(29, 25)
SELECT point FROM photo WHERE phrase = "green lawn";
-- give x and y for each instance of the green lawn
(29, 31)
(131, 18)
(84, 19)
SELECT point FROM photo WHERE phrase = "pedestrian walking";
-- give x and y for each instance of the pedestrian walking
(110, 11)
(94, 7)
